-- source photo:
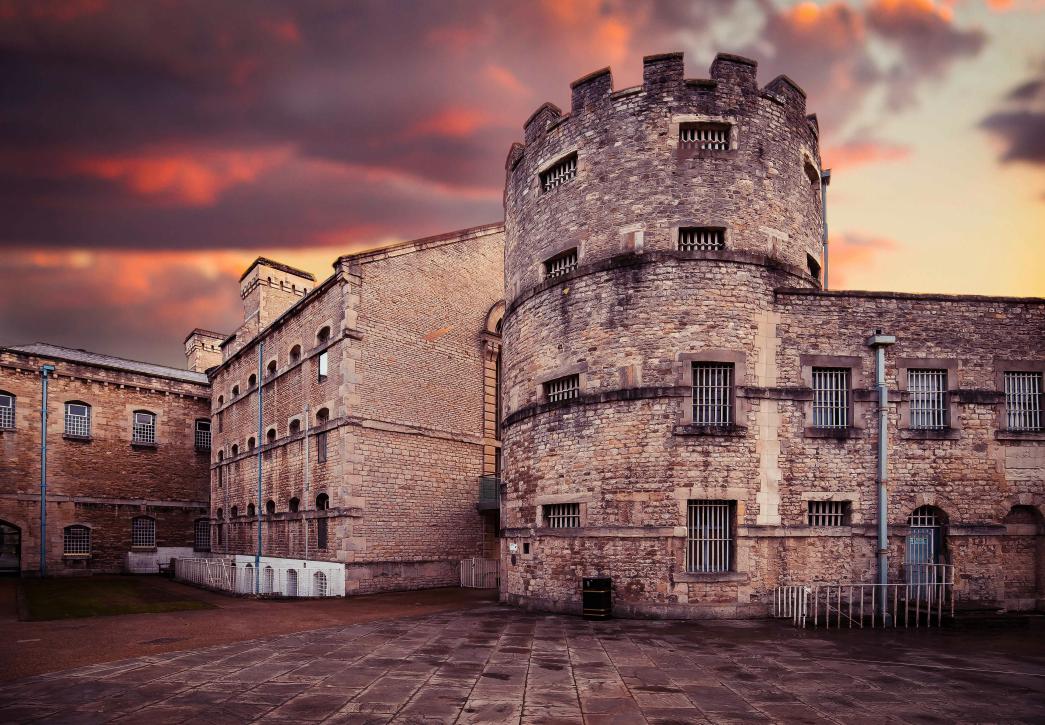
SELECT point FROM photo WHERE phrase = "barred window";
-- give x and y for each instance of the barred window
(562, 515)
(559, 173)
(319, 584)
(77, 539)
(1023, 401)
(710, 136)
(709, 540)
(202, 435)
(7, 410)
(78, 420)
(252, 381)
(828, 513)
(701, 239)
(143, 532)
(323, 366)
(712, 393)
(928, 389)
(201, 535)
(565, 388)
(561, 264)
(144, 427)
(830, 397)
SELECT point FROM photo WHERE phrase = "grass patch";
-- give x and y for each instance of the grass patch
(102, 596)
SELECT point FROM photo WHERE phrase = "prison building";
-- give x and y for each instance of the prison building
(377, 421)
(689, 412)
(128, 445)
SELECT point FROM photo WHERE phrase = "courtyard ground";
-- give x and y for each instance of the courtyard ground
(484, 663)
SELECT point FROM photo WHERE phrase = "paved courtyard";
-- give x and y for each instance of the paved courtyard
(491, 664)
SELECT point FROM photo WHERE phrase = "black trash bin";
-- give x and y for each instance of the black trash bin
(596, 597)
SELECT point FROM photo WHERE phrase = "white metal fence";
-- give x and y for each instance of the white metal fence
(480, 573)
(925, 600)
(309, 579)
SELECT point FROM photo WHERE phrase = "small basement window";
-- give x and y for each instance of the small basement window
(701, 238)
(564, 388)
(827, 513)
(561, 264)
(707, 136)
(559, 173)
(562, 515)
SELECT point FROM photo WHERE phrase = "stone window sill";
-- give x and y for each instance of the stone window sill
(1020, 435)
(840, 434)
(692, 577)
(76, 556)
(79, 439)
(723, 431)
(142, 444)
(942, 434)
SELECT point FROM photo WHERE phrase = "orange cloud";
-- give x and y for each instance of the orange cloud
(912, 8)
(859, 153)
(834, 24)
(852, 250)
(505, 79)
(196, 179)
(452, 122)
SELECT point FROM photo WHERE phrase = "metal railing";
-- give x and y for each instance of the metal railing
(223, 575)
(480, 573)
(924, 600)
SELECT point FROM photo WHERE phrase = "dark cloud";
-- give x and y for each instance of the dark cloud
(1019, 121)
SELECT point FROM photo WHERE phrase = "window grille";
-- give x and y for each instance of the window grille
(828, 513)
(78, 420)
(77, 540)
(201, 536)
(560, 389)
(830, 397)
(701, 239)
(559, 173)
(928, 389)
(323, 366)
(7, 411)
(1023, 401)
(923, 516)
(561, 264)
(292, 582)
(268, 580)
(713, 137)
(144, 428)
(143, 532)
(712, 393)
(562, 515)
(202, 435)
(709, 542)
(319, 584)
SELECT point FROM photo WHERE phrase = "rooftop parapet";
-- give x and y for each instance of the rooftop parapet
(665, 70)
(591, 89)
(537, 123)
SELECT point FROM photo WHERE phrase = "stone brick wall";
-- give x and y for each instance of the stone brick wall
(105, 481)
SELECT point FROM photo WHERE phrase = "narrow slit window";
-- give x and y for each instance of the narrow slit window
(709, 538)
(831, 398)
(712, 393)
(928, 391)
(1023, 401)
(562, 515)
(707, 136)
(701, 239)
(827, 513)
(561, 264)
(565, 388)
(559, 173)
(323, 366)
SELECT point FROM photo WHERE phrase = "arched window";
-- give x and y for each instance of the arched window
(268, 580)
(295, 426)
(220, 515)
(323, 335)
(143, 533)
(77, 419)
(322, 504)
(322, 416)
(292, 582)
(201, 535)
(235, 390)
(235, 511)
(295, 354)
(319, 584)
(270, 436)
(294, 504)
(235, 449)
(221, 400)
(7, 410)
(77, 539)
(270, 507)
(251, 511)
(271, 368)
(252, 381)
(251, 443)
(202, 434)
(144, 427)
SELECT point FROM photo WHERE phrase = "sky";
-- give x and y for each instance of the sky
(149, 150)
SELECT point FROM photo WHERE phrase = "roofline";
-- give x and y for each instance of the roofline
(27, 353)
(912, 296)
(460, 234)
(277, 265)
(212, 333)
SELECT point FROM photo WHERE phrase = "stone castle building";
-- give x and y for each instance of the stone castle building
(682, 406)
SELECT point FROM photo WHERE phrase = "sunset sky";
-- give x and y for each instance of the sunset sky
(150, 150)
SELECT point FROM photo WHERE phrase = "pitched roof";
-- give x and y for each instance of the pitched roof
(57, 352)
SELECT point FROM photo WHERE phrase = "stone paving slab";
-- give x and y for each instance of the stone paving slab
(499, 665)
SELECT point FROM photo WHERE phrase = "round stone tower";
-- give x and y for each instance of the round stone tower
(645, 232)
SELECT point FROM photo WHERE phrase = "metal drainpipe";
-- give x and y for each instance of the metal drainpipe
(45, 370)
(879, 342)
(304, 503)
(825, 180)
(257, 554)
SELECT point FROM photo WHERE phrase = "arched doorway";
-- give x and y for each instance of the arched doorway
(10, 549)
(926, 544)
